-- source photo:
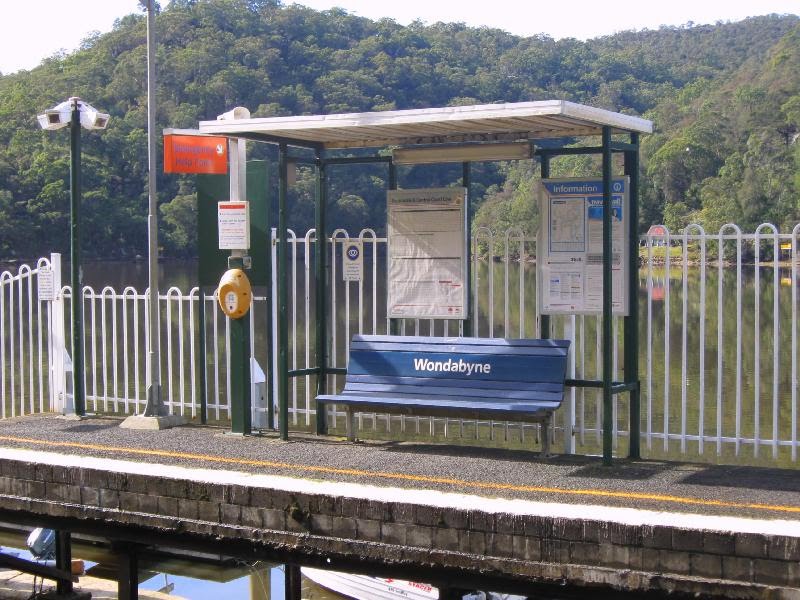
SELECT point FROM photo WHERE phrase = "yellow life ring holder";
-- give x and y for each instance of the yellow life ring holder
(234, 293)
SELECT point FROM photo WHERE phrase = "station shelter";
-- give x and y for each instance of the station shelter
(459, 134)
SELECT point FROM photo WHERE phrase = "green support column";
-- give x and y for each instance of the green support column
(283, 297)
(78, 396)
(241, 413)
(128, 572)
(201, 355)
(292, 582)
(321, 276)
(63, 561)
(544, 320)
(471, 310)
(608, 449)
(270, 334)
(632, 320)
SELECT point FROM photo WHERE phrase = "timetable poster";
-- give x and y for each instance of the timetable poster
(427, 236)
(570, 255)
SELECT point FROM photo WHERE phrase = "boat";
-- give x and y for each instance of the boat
(367, 587)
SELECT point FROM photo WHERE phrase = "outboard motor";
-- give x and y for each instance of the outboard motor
(42, 543)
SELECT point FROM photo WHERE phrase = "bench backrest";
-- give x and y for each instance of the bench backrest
(438, 364)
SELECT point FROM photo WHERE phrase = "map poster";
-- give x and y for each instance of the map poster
(570, 261)
(427, 237)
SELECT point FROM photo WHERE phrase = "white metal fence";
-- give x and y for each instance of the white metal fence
(24, 344)
(718, 344)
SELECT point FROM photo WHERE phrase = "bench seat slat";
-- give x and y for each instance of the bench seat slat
(460, 341)
(432, 382)
(458, 348)
(544, 368)
(495, 404)
(452, 391)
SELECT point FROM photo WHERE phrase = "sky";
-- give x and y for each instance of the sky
(32, 30)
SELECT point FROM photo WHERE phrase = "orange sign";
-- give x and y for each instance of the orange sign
(195, 154)
(657, 230)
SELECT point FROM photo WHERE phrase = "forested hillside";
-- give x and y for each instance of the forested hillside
(725, 99)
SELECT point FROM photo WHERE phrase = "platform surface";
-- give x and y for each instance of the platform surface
(683, 491)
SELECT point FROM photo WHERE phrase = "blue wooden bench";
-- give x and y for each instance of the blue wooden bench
(473, 377)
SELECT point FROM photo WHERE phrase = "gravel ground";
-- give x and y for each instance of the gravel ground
(740, 491)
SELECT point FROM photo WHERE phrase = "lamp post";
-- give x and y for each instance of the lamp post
(75, 113)
(155, 407)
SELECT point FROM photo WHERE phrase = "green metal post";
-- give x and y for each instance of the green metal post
(283, 297)
(544, 320)
(63, 561)
(394, 326)
(201, 366)
(270, 333)
(128, 572)
(632, 320)
(78, 395)
(465, 181)
(241, 418)
(608, 416)
(292, 582)
(321, 276)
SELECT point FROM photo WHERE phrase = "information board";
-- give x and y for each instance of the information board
(570, 248)
(427, 238)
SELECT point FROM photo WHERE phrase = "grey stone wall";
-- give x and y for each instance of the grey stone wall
(395, 534)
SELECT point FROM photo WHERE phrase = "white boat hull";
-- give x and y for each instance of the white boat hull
(366, 587)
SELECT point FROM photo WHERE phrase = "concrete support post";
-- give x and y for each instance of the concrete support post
(58, 355)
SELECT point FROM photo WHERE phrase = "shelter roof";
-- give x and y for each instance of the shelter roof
(483, 122)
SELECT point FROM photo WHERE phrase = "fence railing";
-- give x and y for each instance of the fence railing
(718, 344)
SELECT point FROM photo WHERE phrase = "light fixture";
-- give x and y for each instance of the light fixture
(75, 113)
(462, 153)
(60, 115)
(239, 112)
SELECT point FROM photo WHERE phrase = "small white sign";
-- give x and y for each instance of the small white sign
(353, 260)
(233, 225)
(47, 290)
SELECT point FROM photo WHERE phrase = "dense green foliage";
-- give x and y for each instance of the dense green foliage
(725, 100)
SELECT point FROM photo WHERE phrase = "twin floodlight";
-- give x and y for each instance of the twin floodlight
(60, 116)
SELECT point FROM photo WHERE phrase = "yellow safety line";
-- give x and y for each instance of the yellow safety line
(409, 477)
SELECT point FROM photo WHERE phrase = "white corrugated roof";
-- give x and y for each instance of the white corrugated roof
(483, 122)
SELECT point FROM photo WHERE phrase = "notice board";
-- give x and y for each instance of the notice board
(427, 239)
(570, 247)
